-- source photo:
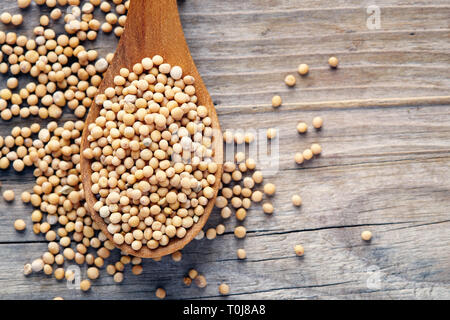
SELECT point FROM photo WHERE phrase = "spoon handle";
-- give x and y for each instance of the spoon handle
(153, 27)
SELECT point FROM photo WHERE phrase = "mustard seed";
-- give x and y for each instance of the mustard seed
(296, 200)
(224, 289)
(317, 122)
(302, 127)
(241, 254)
(19, 225)
(316, 148)
(268, 208)
(240, 232)
(299, 158)
(276, 101)
(193, 273)
(333, 62)
(200, 281)
(160, 293)
(85, 285)
(290, 80)
(303, 69)
(269, 189)
(307, 154)
(366, 235)
(8, 195)
(299, 250)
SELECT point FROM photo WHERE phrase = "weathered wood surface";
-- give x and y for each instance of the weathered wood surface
(385, 166)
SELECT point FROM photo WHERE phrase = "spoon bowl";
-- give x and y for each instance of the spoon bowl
(153, 27)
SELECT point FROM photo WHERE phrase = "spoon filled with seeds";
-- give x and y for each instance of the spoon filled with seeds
(151, 148)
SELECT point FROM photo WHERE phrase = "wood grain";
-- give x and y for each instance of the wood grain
(384, 167)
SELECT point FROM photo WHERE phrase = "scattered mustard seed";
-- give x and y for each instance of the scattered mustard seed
(19, 225)
(366, 235)
(241, 254)
(303, 69)
(307, 154)
(317, 122)
(8, 195)
(316, 149)
(299, 250)
(160, 293)
(240, 232)
(269, 189)
(200, 281)
(290, 80)
(85, 285)
(276, 101)
(333, 62)
(224, 289)
(296, 200)
(302, 127)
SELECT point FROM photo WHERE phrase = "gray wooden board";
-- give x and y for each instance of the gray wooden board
(383, 168)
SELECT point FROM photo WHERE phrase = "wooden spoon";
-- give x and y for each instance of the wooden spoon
(152, 27)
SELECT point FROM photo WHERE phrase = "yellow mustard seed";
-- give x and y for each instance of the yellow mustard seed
(269, 189)
(333, 62)
(296, 200)
(290, 80)
(240, 232)
(276, 101)
(19, 225)
(299, 250)
(307, 154)
(317, 122)
(316, 149)
(366, 235)
(224, 289)
(241, 254)
(302, 127)
(303, 69)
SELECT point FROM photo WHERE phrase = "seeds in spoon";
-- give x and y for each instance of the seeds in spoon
(146, 139)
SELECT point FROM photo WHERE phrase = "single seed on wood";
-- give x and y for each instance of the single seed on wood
(268, 208)
(269, 189)
(19, 225)
(307, 154)
(317, 122)
(200, 281)
(299, 250)
(303, 69)
(160, 293)
(333, 62)
(276, 101)
(241, 254)
(224, 289)
(302, 127)
(299, 158)
(290, 80)
(316, 149)
(366, 235)
(85, 285)
(240, 232)
(296, 200)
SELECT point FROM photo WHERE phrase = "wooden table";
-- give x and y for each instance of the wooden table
(384, 167)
